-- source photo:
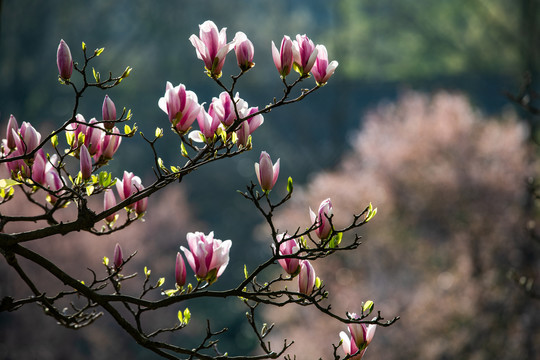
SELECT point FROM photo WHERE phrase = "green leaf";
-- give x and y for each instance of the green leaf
(160, 281)
(96, 74)
(105, 261)
(289, 185)
(147, 272)
(368, 306)
(371, 212)
(89, 190)
(160, 163)
(170, 292)
(183, 149)
(54, 140)
(336, 240)
(83, 46)
(318, 282)
(159, 132)
(245, 271)
(104, 179)
(5, 183)
(80, 138)
(127, 129)
(126, 72)
(98, 52)
(180, 316)
(187, 316)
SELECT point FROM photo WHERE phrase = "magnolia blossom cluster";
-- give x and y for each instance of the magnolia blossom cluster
(360, 337)
(289, 248)
(127, 186)
(23, 140)
(100, 138)
(183, 109)
(303, 56)
(208, 257)
(18, 142)
(212, 48)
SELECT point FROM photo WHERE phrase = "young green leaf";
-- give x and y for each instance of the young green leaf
(187, 316)
(289, 185)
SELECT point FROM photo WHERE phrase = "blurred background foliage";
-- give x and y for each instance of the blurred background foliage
(480, 48)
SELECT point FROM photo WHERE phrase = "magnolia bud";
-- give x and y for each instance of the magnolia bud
(64, 60)
(109, 112)
(118, 260)
(85, 162)
(180, 270)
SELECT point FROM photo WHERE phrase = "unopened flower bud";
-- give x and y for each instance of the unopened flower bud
(85, 162)
(109, 112)
(12, 125)
(64, 60)
(283, 59)
(244, 51)
(109, 201)
(267, 173)
(306, 278)
(118, 259)
(180, 270)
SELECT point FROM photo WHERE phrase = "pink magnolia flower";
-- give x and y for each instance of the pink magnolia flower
(109, 201)
(85, 163)
(223, 109)
(29, 138)
(118, 258)
(267, 173)
(64, 60)
(304, 54)
(208, 257)
(306, 278)
(130, 185)
(16, 166)
(208, 123)
(361, 336)
(244, 51)
(180, 271)
(288, 247)
(93, 134)
(44, 171)
(322, 70)
(247, 127)
(211, 47)
(324, 228)
(182, 106)
(38, 167)
(109, 143)
(283, 59)
(108, 111)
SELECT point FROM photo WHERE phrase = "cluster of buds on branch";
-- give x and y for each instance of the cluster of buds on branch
(225, 129)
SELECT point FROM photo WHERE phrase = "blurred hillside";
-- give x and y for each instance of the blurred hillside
(450, 228)
(480, 48)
